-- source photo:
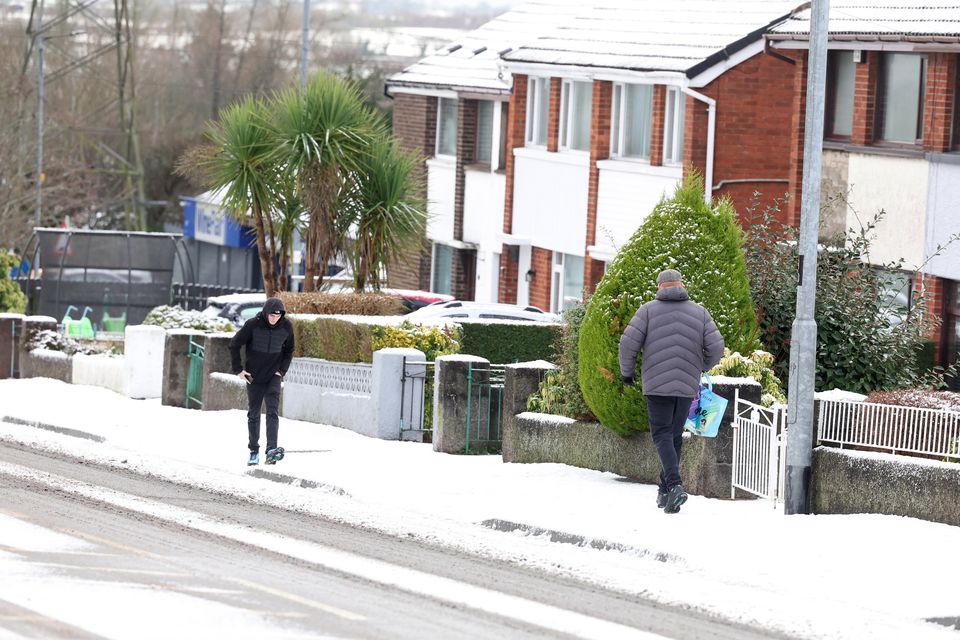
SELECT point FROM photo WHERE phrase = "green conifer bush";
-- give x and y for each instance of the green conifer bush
(705, 244)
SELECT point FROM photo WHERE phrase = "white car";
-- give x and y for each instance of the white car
(455, 309)
(236, 307)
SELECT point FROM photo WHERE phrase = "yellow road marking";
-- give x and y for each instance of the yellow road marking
(292, 597)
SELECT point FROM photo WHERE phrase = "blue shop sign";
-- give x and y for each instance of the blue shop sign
(209, 223)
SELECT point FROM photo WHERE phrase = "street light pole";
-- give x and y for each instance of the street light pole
(39, 174)
(305, 43)
(803, 344)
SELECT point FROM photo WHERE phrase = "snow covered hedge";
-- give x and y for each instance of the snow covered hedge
(177, 318)
(54, 341)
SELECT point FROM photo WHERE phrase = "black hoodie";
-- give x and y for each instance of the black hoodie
(269, 348)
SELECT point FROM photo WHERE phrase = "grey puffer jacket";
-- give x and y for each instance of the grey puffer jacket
(679, 341)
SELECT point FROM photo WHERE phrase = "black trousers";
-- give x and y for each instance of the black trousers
(263, 394)
(667, 415)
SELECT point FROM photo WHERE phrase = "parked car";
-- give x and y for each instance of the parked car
(482, 311)
(236, 307)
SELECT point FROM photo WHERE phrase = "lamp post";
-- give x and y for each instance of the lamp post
(305, 43)
(803, 346)
(39, 174)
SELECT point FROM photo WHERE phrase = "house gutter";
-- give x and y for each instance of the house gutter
(711, 139)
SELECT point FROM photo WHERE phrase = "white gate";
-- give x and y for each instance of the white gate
(759, 442)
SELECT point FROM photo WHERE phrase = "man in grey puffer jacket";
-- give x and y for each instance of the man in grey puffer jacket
(679, 341)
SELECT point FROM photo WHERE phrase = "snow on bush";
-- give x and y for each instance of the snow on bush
(54, 341)
(921, 398)
(177, 318)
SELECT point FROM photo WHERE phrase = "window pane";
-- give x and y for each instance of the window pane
(572, 281)
(900, 101)
(673, 127)
(442, 268)
(581, 105)
(447, 137)
(484, 130)
(615, 121)
(843, 71)
(638, 121)
(543, 110)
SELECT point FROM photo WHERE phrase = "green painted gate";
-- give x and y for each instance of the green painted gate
(484, 409)
(194, 395)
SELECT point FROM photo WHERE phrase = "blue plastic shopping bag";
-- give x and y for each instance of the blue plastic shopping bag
(706, 411)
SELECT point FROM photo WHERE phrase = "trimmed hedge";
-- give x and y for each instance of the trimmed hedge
(345, 304)
(333, 339)
(509, 342)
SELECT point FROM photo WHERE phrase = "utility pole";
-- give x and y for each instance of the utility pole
(803, 344)
(305, 43)
(39, 175)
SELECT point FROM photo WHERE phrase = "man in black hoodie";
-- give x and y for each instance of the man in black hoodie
(268, 338)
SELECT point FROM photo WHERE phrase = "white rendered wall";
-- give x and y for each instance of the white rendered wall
(483, 208)
(626, 195)
(482, 222)
(550, 199)
(100, 370)
(899, 186)
(440, 194)
(143, 360)
(943, 219)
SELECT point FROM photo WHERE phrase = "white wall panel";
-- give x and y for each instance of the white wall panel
(627, 194)
(943, 219)
(899, 187)
(550, 199)
(483, 209)
(441, 185)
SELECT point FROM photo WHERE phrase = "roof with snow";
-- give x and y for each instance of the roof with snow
(472, 63)
(930, 21)
(654, 35)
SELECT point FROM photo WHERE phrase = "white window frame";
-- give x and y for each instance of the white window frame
(617, 120)
(436, 147)
(568, 117)
(558, 281)
(538, 90)
(673, 150)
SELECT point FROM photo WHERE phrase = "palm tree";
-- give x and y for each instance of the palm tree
(237, 161)
(288, 220)
(321, 135)
(388, 211)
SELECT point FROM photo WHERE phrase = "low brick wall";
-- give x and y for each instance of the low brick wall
(536, 437)
(845, 481)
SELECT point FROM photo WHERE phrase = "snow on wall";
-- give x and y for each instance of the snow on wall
(100, 370)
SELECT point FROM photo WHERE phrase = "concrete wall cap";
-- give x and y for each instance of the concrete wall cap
(11, 316)
(739, 382)
(545, 418)
(185, 332)
(461, 358)
(41, 319)
(533, 364)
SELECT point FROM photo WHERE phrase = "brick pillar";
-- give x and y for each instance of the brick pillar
(795, 175)
(516, 123)
(865, 99)
(553, 121)
(659, 122)
(938, 102)
(599, 150)
(415, 126)
(541, 261)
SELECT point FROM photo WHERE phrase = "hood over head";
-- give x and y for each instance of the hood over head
(274, 305)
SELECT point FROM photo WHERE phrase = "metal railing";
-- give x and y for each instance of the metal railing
(352, 377)
(933, 433)
(759, 438)
(484, 409)
(194, 392)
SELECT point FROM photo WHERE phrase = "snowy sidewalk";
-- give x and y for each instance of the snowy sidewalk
(812, 576)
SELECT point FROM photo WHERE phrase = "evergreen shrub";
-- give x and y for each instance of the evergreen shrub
(559, 392)
(704, 243)
(333, 339)
(12, 299)
(509, 342)
(431, 339)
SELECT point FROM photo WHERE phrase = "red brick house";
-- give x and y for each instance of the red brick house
(605, 106)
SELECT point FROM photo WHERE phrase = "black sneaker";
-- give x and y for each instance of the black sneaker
(274, 456)
(661, 498)
(675, 498)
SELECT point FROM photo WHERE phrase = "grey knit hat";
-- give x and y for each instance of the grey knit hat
(669, 275)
